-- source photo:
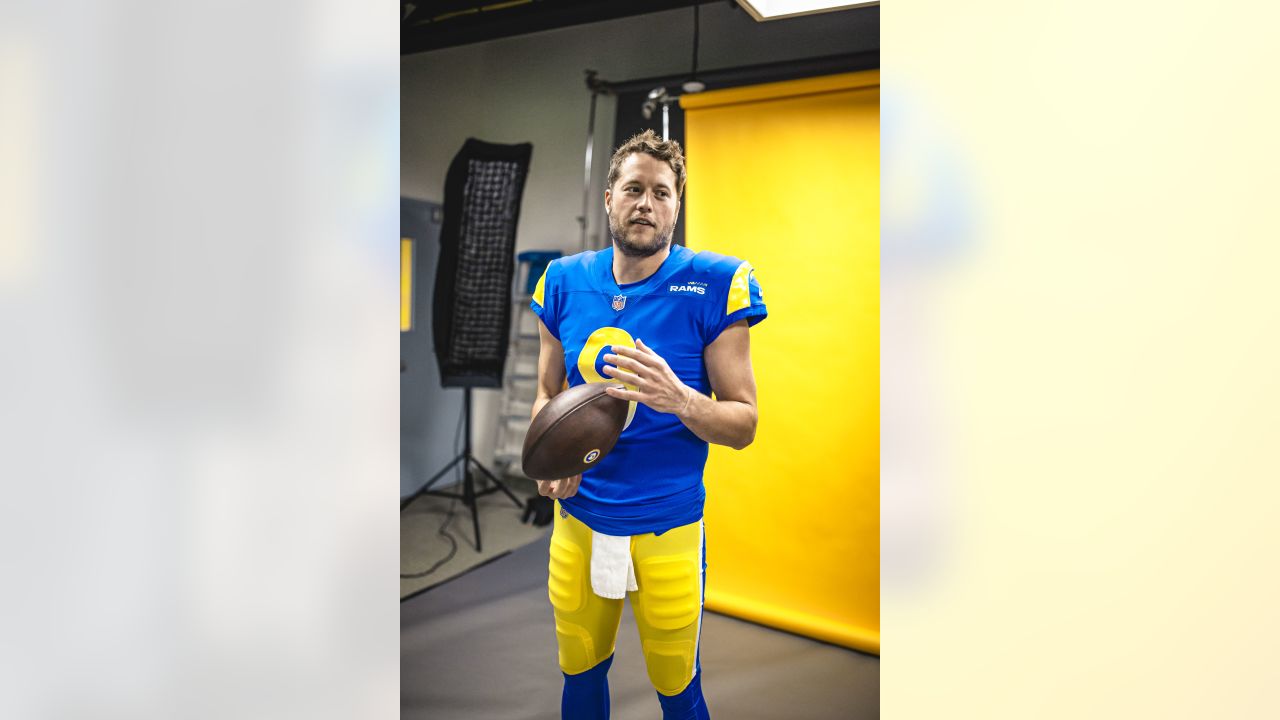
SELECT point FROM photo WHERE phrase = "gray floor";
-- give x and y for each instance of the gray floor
(483, 646)
(422, 546)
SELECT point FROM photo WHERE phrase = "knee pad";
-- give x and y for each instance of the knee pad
(670, 663)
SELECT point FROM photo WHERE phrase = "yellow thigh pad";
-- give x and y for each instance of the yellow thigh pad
(565, 573)
(671, 590)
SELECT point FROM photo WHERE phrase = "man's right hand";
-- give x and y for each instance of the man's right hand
(551, 381)
(559, 489)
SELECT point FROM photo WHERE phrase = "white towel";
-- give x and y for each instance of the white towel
(612, 574)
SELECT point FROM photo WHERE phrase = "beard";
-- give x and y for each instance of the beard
(632, 248)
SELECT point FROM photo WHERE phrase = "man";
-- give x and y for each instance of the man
(671, 325)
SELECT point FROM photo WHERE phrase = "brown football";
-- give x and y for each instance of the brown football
(573, 432)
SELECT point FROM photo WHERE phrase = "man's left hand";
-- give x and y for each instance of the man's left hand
(656, 385)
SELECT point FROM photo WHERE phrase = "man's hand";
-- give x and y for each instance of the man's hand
(550, 381)
(656, 385)
(559, 489)
(728, 419)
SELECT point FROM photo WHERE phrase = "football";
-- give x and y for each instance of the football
(573, 432)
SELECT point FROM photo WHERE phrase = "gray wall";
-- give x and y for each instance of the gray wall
(530, 89)
(429, 413)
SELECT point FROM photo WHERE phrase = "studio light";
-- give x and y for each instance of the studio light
(776, 9)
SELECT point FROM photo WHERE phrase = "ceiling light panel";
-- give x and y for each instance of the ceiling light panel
(776, 9)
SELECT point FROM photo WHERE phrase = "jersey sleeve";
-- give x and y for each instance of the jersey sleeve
(743, 301)
(546, 302)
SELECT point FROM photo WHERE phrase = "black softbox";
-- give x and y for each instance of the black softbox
(471, 321)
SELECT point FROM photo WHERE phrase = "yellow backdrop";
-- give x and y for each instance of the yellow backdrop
(786, 176)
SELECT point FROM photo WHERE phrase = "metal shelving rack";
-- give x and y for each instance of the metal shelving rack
(520, 379)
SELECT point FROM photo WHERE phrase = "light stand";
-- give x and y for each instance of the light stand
(469, 494)
(472, 309)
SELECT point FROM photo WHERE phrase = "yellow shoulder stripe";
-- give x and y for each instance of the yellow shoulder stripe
(739, 290)
(537, 292)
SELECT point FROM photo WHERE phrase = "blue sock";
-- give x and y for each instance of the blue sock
(688, 704)
(586, 695)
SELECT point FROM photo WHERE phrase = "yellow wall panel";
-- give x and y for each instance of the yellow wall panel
(406, 284)
(786, 176)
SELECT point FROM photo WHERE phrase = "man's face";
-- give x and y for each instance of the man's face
(642, 206)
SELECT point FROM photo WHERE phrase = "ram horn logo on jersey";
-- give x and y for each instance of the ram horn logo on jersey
(619, 302)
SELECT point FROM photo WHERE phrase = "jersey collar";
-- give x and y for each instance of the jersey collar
(678, 257)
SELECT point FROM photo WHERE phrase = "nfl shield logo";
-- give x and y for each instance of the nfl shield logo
(619, 302)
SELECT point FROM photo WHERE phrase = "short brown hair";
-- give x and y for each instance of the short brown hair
(649, 143)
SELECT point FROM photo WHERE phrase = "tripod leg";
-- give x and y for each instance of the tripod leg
(427, 486)
(443, 470)
(501, 485)
(469, 493)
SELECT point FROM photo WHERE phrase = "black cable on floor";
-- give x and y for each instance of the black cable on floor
(453, 505)
(453, 550)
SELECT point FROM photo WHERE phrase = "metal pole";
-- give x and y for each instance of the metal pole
(469, 496)
(666, 130)
(586, 170)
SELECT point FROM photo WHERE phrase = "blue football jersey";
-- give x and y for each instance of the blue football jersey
(652, 480)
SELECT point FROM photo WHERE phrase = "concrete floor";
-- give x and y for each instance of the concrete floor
(483, 646)
(422, 545)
